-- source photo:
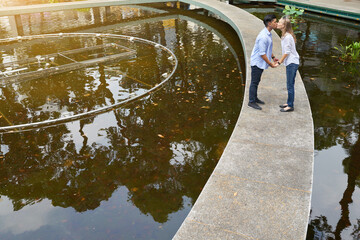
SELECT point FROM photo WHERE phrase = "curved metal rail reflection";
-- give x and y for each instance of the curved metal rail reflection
(34, 125)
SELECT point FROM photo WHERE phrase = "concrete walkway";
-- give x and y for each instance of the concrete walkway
(261, 187)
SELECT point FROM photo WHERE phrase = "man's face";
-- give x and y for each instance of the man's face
(273, 24)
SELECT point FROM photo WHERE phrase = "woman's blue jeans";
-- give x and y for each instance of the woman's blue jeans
(290, 82)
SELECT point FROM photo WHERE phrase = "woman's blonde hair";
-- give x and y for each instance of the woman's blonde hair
(288, 27)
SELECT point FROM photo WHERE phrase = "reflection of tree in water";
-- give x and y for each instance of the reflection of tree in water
(162, 149)
(334, 124)
(52, 91)
(335, 107)
(83, 179)
(356, 230)
(319, 229)
(352, 169)
(319, 226)
(42, 99)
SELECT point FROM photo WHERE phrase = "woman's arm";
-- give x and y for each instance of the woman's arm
(283, 58)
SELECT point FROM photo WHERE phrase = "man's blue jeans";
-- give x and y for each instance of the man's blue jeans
(255, 80)
(290, 82)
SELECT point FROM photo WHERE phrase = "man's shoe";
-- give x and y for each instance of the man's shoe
(254, 105)
(259, 101)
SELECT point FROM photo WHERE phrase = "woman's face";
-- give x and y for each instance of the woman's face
(281, 24)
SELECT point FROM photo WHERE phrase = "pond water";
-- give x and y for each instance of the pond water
(136, 171)
(133, 172)
(333, 90)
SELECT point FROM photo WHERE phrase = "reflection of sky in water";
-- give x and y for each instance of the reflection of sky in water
(187, 151)
(95, 131)
(329, 185)
(42, 217)
(30, 218)
(312, 38)
(323, 190)
(4, 148)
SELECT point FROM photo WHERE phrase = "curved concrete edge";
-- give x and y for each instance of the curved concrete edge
(261, 186)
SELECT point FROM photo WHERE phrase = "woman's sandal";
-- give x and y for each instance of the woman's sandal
(283, 105)
(289, 109)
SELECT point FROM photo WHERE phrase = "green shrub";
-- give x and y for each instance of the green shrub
(294, 14)
(350, 52)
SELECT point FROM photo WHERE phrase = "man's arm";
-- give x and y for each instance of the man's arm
(273, 65)
(262, 51)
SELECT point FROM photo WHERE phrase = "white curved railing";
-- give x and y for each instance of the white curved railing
(22, 127)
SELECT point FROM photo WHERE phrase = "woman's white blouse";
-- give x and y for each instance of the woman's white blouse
(288, 47)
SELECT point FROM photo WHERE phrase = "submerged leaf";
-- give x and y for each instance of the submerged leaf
(68, 163)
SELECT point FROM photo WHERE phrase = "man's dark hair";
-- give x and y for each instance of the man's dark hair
(268, 18)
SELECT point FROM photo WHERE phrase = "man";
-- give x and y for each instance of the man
(259, 59)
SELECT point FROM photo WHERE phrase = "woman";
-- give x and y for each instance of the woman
(290, 58)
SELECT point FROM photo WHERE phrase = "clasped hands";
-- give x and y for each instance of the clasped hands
(275, 63)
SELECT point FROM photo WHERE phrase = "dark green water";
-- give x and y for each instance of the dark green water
(134, 172)
(333, 91)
